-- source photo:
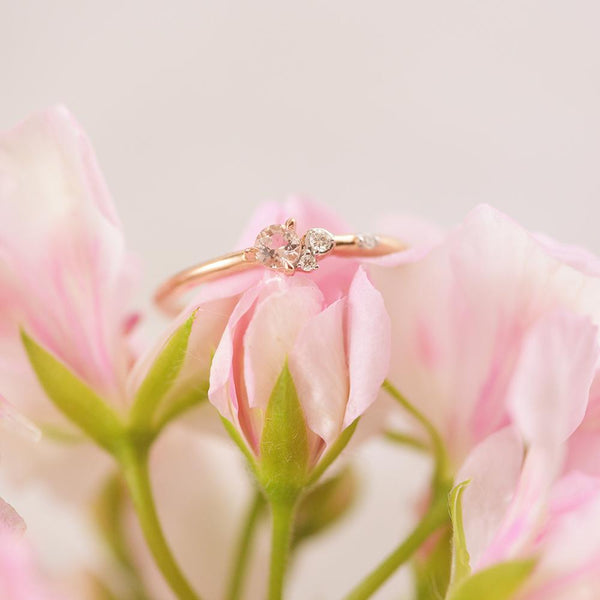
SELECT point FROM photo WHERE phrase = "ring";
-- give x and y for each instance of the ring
(278, 248)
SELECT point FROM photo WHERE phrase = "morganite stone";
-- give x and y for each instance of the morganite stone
(278, 247)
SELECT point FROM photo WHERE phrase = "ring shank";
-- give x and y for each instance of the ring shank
(169, 294)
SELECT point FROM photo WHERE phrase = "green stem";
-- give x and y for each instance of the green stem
(440, 475)
(282, 513)
(134, 462)
(240, 564)
(433, 520)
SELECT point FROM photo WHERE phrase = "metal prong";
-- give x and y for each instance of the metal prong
(288, 269)
(290, 224)
(250, 254)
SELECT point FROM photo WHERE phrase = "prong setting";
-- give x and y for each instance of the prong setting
(281, 249)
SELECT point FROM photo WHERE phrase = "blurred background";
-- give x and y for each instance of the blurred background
(201, 110)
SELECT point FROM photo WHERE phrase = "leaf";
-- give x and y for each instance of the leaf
(461, 567)
(74, 398)
(499, 582)
(162, 375)
(284, 452)
(325, 505)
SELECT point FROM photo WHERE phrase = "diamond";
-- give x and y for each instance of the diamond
(308, 262)
(319, 241)
(278, 247)
(367, 240)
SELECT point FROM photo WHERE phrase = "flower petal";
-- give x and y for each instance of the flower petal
(549, 391)
(368, 342)
(318, 366)
(61, 247)
(493, 468)
(278, 318)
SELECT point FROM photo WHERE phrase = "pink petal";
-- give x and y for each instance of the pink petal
(10, 521)
(61, 247)
(459, 313)
(222, 393)
(318, 366)
(278, 318)
(493, 468)
(369, 342)
(550, 388)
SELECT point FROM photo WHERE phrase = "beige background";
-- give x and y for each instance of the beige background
(200, 110)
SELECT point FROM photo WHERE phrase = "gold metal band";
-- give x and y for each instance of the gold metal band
(170, 293)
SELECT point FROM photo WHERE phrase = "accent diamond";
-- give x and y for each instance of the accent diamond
(308, 262)
(319, 241)
(367, 240)
(278, 248)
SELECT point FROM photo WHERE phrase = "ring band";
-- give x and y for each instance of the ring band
(279, 248)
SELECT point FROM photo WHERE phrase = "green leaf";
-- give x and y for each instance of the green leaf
(162, 375)
(499, 582)
(74, 398)
(325, 505)
(461, 567)
(284, 452)
(334, 451)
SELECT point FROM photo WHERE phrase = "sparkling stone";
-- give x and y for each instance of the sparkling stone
(367, 241)
(278, 247)
(308, 262)
(319, 241)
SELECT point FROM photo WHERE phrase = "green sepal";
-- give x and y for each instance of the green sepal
(284, 452)
(74, 398)
(161, 376)
(499, 582)
(325, 504)
(333, 452)
(461, 567)
(241, 444)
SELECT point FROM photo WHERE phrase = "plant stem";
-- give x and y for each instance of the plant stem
(240, 564)
(433, 520)
(441, 470)
(282, 513)
(134, 462)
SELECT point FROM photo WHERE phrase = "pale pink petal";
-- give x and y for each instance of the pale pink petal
(222, 393)
(318, 366)
(550, 388)
(521, 523)
(272, 332)
(493, 468)
(11, 418)
(368, 345)
(10, 521)
(62, 248)
(19, 578)
(459, 314)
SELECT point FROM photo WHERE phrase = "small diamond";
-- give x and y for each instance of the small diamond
(319, 241)
(367, 241)
(278, 247)
(307, 262)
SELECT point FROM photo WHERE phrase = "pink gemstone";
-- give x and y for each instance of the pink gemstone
(278, 247)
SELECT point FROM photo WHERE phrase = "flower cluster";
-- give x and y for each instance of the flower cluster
(486, 336)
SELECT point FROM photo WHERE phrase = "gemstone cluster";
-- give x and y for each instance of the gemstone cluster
(281, 248)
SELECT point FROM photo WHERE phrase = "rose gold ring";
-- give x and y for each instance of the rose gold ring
(279, 248)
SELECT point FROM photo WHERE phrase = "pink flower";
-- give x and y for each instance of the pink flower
(523, 500)
(332, 331)
(65, 272)
(462, 313)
